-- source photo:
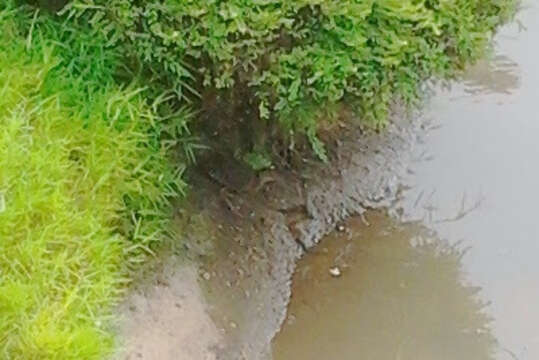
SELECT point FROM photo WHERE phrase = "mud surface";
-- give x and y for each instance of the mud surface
(261, 233)
(168, 319)
(245, 244)
(245, 236)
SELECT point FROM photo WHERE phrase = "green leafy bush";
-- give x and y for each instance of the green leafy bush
(291, 60)
(85, 186)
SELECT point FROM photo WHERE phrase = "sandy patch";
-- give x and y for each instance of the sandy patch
(168, 321)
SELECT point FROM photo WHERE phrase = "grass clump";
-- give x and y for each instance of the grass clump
(85, 184)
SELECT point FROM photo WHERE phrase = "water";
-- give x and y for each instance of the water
(400, 296)
(410, 289)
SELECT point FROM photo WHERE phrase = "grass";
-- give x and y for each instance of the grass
(84, 189)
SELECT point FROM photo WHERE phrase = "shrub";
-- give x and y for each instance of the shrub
(292, 60)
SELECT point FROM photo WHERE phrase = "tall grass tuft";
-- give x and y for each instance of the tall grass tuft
(85, 186)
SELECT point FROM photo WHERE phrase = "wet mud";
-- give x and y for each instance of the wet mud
(245, 242)
(260, 234)
(167, 319)
(245, 235)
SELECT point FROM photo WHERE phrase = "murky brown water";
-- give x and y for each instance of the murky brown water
(475, 184)
(399, 296)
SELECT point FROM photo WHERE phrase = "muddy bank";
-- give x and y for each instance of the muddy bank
(167, 319)
(246, 242)
(245, 237)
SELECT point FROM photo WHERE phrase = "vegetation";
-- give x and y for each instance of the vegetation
(97, 117)
(84, 189)
(295, 60)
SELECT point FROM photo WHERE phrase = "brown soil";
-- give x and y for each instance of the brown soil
(169, 321)
(244, 241)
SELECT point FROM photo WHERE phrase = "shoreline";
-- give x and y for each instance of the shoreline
(245, 249)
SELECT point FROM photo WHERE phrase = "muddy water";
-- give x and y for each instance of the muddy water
(399, 296)
(406, 294)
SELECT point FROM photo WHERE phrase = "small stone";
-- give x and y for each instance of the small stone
(206, 276)
(341, 228)
(335, 271)
(233, 325)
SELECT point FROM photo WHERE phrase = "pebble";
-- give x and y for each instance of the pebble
(335, 271)
(206, 276)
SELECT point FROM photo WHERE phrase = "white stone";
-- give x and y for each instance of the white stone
(335, 271)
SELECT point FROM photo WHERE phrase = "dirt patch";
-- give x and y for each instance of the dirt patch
(169, 320)
(246, 241)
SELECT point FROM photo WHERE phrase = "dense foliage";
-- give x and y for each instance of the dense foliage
(298, 58)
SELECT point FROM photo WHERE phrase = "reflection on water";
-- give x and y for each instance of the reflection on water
(476, 185)
(477, 182)
(400, 297)
(497, 75)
